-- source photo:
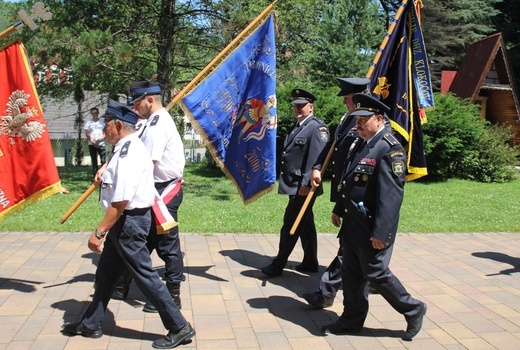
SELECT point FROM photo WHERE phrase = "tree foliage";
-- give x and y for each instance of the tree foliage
(349, 37)
(108, 44)
(507, 21)
(449, 26)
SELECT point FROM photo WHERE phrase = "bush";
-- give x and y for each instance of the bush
(452, 130)
(459, 144)
(493, 160)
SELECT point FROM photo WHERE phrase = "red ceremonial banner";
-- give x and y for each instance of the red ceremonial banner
(28, 172)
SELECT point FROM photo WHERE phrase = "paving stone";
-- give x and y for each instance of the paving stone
(469, 281)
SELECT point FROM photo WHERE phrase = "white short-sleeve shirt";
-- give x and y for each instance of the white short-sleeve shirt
(164, 144)
(96, 130)
(129, 175)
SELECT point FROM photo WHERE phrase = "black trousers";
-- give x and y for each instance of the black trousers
(363, 264)
(306, 231)
(331, 279)
(94, 151)
(125, 247)
(168, 246)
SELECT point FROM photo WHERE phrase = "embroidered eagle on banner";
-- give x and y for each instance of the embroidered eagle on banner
(15, 122)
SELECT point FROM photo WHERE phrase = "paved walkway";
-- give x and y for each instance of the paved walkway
(471, 283)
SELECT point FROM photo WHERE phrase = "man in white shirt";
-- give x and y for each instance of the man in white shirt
(160, 136)
(96, 139)
(127, 194)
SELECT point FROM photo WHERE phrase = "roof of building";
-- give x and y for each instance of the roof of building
(481, 57)
(485, 76)
(60, 114)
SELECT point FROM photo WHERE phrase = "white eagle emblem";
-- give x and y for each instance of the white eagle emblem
(15, 122)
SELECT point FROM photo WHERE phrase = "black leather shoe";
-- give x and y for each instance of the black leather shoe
(174, 339)
(318, 300)
(373, 290)
(149, 307)
(415, 324)
(175, 292)
(305, 268)
(120, 293)
(271, 270)
(79, 329)
(339, 329)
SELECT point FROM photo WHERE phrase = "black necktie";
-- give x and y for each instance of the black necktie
(362, 146)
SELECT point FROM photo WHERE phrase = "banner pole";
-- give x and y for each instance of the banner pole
(313, 190)
(79, 201)
(228, 48)
(6, 32)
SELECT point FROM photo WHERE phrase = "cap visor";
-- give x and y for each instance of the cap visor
(343, 92)
(300, 100)
(362, 112)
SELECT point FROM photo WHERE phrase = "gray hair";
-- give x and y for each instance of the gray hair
(128, 126)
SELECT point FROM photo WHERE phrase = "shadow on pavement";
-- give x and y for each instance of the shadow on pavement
(74, 309)
(309, 318)
(24, 286)
(503, 258)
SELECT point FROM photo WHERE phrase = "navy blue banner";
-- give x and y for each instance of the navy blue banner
(401, 78)
(234, 108)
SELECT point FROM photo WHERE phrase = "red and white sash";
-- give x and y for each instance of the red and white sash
(163, 219)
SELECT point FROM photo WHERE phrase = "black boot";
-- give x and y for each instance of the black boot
(123, 286)
(175, 292)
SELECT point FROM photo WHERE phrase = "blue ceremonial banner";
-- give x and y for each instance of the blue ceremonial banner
(401, 78)
(234, 108)
(421, 70)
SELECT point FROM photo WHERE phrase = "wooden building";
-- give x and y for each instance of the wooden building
(485, 77)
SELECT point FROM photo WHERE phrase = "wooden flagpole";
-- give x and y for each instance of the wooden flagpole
(79, 201)
(217, 58)
(313, 190)
(331, 150)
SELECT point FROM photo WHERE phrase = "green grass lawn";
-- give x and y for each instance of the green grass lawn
(212, 205)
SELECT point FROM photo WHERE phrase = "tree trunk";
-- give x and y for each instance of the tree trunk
(166, 47)
(79, 97)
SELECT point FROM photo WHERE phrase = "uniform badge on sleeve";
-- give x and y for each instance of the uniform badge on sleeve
(324, 133)
(124, 149)
(398, 167)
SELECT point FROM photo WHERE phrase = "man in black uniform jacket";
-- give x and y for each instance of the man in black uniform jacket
(371, 193)
(302, 147)
(345, 134)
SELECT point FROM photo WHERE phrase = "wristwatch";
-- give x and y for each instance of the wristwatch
(100, 234)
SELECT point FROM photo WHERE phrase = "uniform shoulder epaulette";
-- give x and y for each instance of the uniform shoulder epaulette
(155, 120)
(124, 149)
(392, 141)
(320, 122)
